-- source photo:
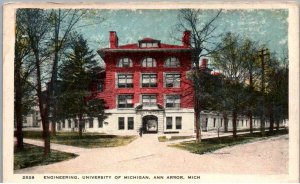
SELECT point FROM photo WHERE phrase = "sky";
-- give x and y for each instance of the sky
(269, 27)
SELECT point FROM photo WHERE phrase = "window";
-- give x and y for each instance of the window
(178, 122)
(69, 123)
(221, 121)
(125, 101)
(149, 62)
(124, 62)
(130, 123)
(125, 81)
(214, 122)
(172, 80)
(147, 45)
(91, 123)
(121, 123)
(172, 62)
(242, 122)
(246, 123)
(149, 80)
(206, 122)
(149, 100)
(169, 122)
(172, 101)
(63, 124)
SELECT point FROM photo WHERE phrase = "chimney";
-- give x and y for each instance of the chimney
(203, 63)
(113, 40)
(186, 38)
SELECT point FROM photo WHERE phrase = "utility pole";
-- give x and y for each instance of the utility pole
(261, 54)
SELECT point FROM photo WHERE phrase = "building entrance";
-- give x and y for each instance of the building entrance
(150, 124)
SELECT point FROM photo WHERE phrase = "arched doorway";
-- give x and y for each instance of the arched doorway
(150, 124)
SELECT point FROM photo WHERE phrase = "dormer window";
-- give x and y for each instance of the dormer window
(149, 43)
(149, 62)
(172, 62)
(124, 62)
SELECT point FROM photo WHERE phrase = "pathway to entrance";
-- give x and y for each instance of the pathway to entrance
(147, 155)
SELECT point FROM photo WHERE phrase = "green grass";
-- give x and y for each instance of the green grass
(88, 140)
(212, 144)
(33, 156)
(257, 129)
(173, 138)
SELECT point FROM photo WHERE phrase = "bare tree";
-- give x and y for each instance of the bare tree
(202, 44)
(36, 27)
(22, 50)
(62, 23)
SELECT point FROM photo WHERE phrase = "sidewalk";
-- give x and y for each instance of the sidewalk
(58, 147)
(210, 135)
(150, 138)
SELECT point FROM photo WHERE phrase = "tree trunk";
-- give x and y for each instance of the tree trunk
(80, 125)
(234, 118)
(43, 107)
(225, 122)
(46, 136)
(250, 111)
(277, 125)
(271, 117)
(18, 107)
(197, 122)
(53, 88)
(251, 122)
(53, 128)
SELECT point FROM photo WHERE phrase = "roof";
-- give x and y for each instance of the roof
(134, 47)
(162, 46)
(149, 39)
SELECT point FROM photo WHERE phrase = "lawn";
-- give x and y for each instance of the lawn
(88, 140)
(212, 144)
(33, 156)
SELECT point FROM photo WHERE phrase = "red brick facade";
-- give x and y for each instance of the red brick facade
(137, 53)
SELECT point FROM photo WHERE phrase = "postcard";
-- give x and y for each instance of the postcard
(138, 92)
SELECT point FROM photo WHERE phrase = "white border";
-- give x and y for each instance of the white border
(8, 80)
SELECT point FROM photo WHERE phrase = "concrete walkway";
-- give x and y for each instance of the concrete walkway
(147, 155)
(58, 147)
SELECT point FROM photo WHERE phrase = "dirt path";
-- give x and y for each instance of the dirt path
(147, 155)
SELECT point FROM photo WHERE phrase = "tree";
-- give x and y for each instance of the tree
(77, 75)
(201, 36)
(48, 33)
(22, 50)
(229, 61)
(62, 24)
(276, 91)
(35, 25)
(251, 65)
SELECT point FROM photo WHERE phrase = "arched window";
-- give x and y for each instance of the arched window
(172, 62)
(149, 62)
(124, 62)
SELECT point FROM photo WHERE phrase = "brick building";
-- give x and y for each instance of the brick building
(145, 85)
